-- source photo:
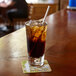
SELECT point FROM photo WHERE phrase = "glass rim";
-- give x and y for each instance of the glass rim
(36, 22)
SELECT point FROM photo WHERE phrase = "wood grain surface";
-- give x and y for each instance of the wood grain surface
(60, 47)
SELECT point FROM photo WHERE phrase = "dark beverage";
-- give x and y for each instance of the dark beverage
(36, 37)
(36, 49)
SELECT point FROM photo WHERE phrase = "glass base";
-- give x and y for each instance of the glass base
(36, 61)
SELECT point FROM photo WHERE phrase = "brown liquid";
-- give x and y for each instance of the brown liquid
(36, 36)
(36, 49)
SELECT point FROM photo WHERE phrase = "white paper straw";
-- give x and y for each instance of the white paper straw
(46, 14)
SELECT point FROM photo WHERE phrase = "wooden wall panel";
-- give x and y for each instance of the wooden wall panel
(37, 11)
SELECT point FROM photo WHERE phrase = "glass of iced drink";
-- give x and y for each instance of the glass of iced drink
(36, 38)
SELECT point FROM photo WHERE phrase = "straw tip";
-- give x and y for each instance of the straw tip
(48, 6)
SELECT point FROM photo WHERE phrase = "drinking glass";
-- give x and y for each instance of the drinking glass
(36, 38)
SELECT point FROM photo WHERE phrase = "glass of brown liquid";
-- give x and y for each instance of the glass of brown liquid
(36, 38)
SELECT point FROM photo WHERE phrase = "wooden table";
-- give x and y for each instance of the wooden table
(60, 47)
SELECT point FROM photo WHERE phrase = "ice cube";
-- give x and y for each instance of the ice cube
(39, 31)
(43, 36)
(33, 29)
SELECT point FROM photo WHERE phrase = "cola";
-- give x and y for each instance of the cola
(36, 38)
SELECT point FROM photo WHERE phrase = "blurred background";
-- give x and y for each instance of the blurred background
(14, 13)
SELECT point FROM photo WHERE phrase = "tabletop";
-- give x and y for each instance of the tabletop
(60, 47)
